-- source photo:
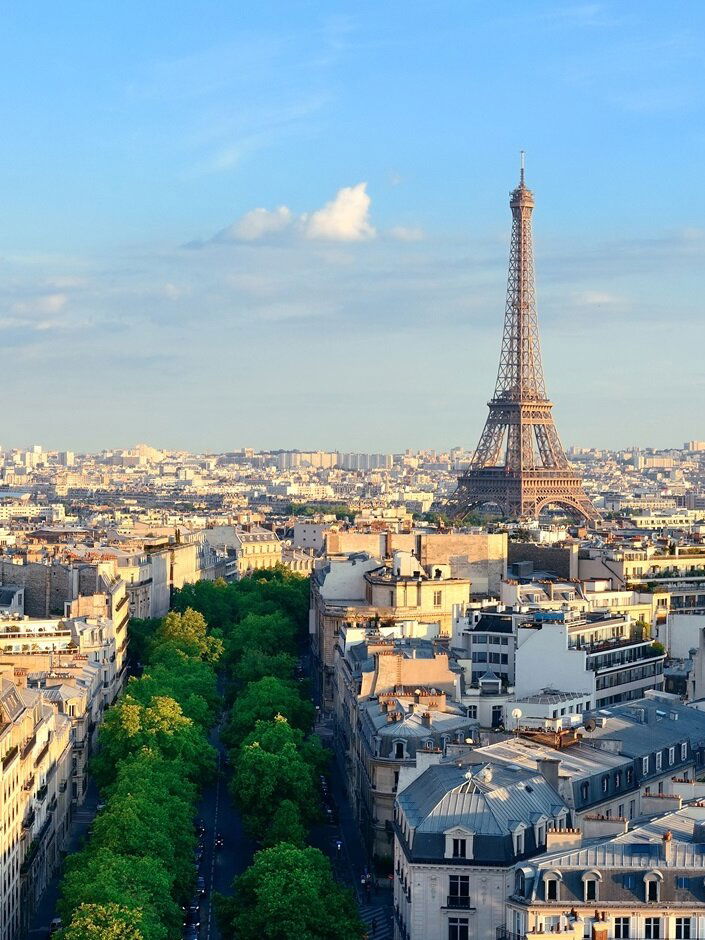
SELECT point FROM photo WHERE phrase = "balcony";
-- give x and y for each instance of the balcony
(459, 902)
(42, 793)
(504, 934)
(10, 756)
(41, 755)
(27, 746)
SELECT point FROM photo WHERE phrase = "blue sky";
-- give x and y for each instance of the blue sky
(287, 224)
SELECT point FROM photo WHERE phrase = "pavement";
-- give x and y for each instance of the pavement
(46, 909)
(350, 861)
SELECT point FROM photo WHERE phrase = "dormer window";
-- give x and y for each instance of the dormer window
(591, 881)
(459, 841)
(520, 883)
(519, 839)
(399, 750)
(659, 760)
(652, 886)
(551, 889)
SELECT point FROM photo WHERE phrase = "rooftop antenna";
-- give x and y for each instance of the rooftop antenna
(523, 166)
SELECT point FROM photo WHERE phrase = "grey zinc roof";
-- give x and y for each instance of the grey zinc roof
(486, 798)
(623, 724)
(634, 853)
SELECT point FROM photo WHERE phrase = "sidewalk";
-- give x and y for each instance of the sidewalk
(83, 817)
(351, 861)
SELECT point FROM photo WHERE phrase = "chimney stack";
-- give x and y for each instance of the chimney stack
(549, 767)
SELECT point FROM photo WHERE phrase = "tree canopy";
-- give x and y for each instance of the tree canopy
(290, 892)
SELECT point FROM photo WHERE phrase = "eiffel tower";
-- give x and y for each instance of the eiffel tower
(520, 464)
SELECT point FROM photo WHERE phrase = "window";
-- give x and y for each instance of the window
(630, 776)
(459, 891)
(437, 598)
(671, 755)
(552, 889)
(472, 711)
(618, 779)
(605, 783)
(584, 791)
(459, 848)
(399, 750)
(627, 881)
(645, 765)
(652, 890)
(621, 928)
(620, 810)
(682, 928)
(519, 883)
(519, 842)
(684, 751)
(659, 760)
(458, 928)
(652, 928)
(681, 882)
(590, 890)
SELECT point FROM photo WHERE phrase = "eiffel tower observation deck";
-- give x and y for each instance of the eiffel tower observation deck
(519, 464)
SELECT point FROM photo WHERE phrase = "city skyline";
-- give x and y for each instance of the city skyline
(308, 207)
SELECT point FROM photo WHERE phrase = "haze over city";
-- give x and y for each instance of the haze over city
(283, 226)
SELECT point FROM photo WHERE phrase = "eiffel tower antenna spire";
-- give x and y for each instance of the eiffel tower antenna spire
(523, 167)
(519, 464)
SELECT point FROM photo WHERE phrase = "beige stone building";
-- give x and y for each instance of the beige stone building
(358, 589)
(643, 884)
(395, 697)
(35, 768)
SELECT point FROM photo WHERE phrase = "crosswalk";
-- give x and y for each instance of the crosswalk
(378, 921)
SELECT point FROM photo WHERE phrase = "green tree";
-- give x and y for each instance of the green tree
(255, 665)
(286, 826)
(189, 633)
(269, 633)
(290, 892)
(104, 922)
(105, 877)
(160, 725)
(269, 768)
(262, 701)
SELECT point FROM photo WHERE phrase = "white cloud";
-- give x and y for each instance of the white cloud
(405, 233)
(344, 219)
(256, 224)
(596, 298)
(46, 303)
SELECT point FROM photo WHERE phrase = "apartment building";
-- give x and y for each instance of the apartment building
(35, 768)
(460, 831)
(643, 884)
(358, 589)
(609, 657)
(394, 698)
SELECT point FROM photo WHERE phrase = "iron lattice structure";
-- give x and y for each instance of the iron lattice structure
(520, 464)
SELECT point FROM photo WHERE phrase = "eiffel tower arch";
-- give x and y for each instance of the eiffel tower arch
(519, 464)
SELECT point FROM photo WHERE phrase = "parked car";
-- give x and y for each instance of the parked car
(191, 933)
(54, 926)
(201, 886)
(219, 841)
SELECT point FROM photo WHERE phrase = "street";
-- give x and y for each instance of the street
(220, 866)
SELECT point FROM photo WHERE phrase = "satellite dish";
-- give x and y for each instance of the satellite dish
(590, 724)
(517, 713)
